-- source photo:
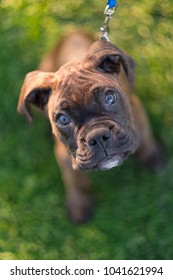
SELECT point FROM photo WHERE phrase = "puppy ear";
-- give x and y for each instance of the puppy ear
(108, 58)
(36, 90)
(111, 63)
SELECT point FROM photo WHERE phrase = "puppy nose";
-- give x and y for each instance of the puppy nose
(98, 137)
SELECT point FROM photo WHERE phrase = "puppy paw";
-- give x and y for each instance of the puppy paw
(155, 160)
(80, 209)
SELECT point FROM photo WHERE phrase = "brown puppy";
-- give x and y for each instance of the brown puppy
(96, 119)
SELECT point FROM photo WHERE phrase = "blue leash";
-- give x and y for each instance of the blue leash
(112, 3)
(109, 11)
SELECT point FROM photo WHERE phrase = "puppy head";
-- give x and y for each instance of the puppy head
(88, 105)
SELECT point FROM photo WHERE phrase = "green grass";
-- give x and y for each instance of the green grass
(133, 206)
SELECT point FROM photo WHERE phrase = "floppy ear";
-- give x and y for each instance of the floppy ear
(111, 63)
(107, 58)
(36, 90)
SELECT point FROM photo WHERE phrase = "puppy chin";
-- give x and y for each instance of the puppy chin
(108, 165)
(105, 164)
(109, 162)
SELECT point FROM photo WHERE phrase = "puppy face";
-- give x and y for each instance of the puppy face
(88, 104)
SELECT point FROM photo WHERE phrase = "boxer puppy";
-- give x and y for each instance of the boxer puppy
(86, 90)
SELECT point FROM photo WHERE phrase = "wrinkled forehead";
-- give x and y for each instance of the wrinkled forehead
(78, 89)
(79, 82)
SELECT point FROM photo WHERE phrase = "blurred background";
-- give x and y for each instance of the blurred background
(133, 216)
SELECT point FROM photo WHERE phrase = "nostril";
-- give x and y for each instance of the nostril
(98, 137)
(105, 137)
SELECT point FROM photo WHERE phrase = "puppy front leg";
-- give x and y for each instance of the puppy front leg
(149, 152)
(79, 203)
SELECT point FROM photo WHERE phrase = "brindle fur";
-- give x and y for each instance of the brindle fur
(70, 78)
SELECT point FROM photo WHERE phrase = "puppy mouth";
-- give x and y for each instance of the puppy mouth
(109, 162)
(105, 163)
(102, 147)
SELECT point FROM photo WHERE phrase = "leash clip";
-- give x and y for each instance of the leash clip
(104, 30)
(109, 11)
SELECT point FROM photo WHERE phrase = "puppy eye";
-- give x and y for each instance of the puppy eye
(110, 98)
(63, 120)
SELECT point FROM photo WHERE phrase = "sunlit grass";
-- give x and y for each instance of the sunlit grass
(133, 206)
